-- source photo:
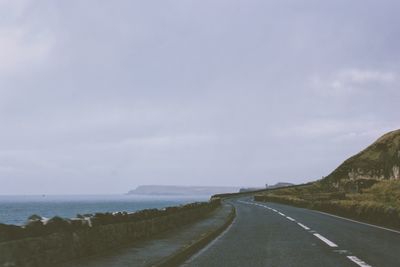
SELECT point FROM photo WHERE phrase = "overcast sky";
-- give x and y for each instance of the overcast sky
(102, 96)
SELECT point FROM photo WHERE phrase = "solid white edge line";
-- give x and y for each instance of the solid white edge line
(358, 261)
(354, 259)
(303, 226)
(347, 219)
(327, 241)
(351, 220)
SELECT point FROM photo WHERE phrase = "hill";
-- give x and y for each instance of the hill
(379, 161)
(364, 187)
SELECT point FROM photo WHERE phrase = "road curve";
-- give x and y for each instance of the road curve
(270, 234)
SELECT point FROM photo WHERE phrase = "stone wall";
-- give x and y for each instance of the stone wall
(70, 243)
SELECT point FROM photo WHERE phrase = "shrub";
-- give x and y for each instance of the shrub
(11, 232)
(35, 228)
(57, 224)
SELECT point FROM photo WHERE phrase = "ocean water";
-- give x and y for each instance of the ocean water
(16, 209)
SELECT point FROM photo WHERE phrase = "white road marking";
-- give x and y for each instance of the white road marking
(327, 241)
(303, 226)
(358, 261)
(290, 218)
(372, 225)
(354, 259)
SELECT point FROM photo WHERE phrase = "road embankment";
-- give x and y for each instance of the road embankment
(200, 241)
(169, 248)
(369, 212)
(61, 240)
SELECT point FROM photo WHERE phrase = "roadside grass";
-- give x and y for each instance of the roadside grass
(379, 204)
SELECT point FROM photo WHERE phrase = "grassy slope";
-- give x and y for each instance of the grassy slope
(379, 203)
(375, 161)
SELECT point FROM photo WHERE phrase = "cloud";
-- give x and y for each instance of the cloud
(18, 51)
(22, 45)
(352, 81)
(334, 128)
(357, 76)
(14, 8)
(100, 96)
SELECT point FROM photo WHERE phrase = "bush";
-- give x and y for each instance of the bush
(57, 224)
(11, 232)
(35, 228)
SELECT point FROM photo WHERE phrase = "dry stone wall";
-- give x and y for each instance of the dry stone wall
(71, 239)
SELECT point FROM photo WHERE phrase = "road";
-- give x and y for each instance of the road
(270, 234)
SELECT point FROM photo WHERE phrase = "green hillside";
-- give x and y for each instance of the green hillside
(365, 186)
(379, 161)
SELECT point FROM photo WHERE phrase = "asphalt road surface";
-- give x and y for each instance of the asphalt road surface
(270, 234)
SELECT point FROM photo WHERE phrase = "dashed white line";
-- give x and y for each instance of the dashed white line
(358, 261)
(354, 259)
(303, 226)
(326, 240)
(290, 218)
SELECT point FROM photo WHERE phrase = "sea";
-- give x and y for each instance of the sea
(16, 209)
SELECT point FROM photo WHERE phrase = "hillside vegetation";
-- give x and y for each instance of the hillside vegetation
(379, 161)
(364, 187)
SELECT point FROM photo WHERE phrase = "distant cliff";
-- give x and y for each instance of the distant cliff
(181, 190)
